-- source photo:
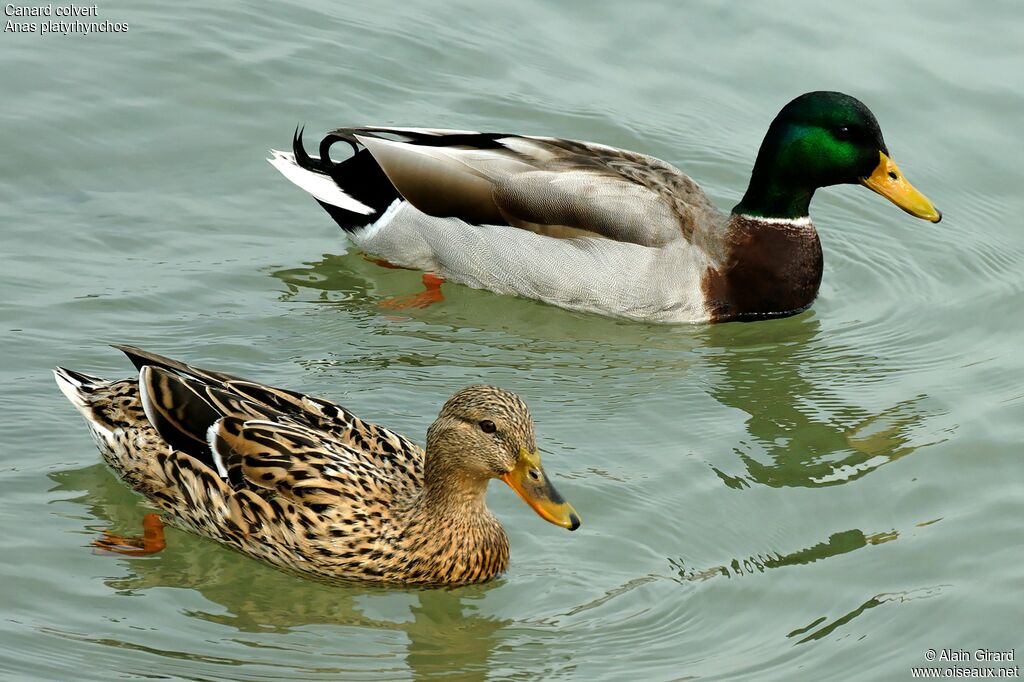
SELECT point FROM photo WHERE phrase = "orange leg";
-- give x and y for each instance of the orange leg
(151, 542)
(431, 295)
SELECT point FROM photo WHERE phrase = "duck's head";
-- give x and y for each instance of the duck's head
(484, 432)
(821, 139)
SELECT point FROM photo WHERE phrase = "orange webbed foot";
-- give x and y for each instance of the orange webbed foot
(151, 542)
(431, 295)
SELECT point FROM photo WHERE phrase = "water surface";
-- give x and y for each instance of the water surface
(824, 496)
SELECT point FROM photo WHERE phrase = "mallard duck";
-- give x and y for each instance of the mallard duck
(307, 486)
(593, 228)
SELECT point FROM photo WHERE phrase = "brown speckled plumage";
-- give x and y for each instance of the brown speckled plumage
(303, 483)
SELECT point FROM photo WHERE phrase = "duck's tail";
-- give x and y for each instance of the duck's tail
(89, 395)
(355, 192)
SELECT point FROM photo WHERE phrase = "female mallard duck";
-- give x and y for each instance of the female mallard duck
(594, 228)
(306, 485)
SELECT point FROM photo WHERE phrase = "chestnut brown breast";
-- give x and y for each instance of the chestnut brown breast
(770, 269)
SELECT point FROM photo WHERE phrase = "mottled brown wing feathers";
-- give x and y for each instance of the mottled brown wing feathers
(228, 403)
(280, 399)
(195, 398)
(391, 451)
(298, 463)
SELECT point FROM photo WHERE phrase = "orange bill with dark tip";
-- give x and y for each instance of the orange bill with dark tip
(531, 483)
(888, 181)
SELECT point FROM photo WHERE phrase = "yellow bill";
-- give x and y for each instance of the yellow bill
(531, 483)
(888, 181)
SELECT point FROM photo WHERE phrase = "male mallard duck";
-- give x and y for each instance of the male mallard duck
(594, 228)
(306, 485)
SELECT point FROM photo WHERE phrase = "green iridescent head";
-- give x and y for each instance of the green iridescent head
(821, 139)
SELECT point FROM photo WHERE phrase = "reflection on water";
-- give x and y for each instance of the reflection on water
(333, 279)
(142, 649)
(611, 594)
(838, 543)
(781, 391)
(802, 430)
(812, 631)
(786, 375)
(137, 206)
(534, 334)
(443, 627)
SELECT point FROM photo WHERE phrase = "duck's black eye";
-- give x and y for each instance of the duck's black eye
(487, 426)
(843, 133)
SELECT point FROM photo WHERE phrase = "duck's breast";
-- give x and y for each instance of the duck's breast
(770, 268)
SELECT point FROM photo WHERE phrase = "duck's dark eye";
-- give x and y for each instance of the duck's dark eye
(487, 426)
(843, 133)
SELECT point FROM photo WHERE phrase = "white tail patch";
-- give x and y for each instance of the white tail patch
(70, 387)
(320, 186)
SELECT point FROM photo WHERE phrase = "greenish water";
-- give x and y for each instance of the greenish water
(826, 496)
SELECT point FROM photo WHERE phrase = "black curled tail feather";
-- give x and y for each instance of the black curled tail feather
(324, 164)
(299, 150)
(321, 165)
(330, 139)
(359, 176)
(302, 157)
